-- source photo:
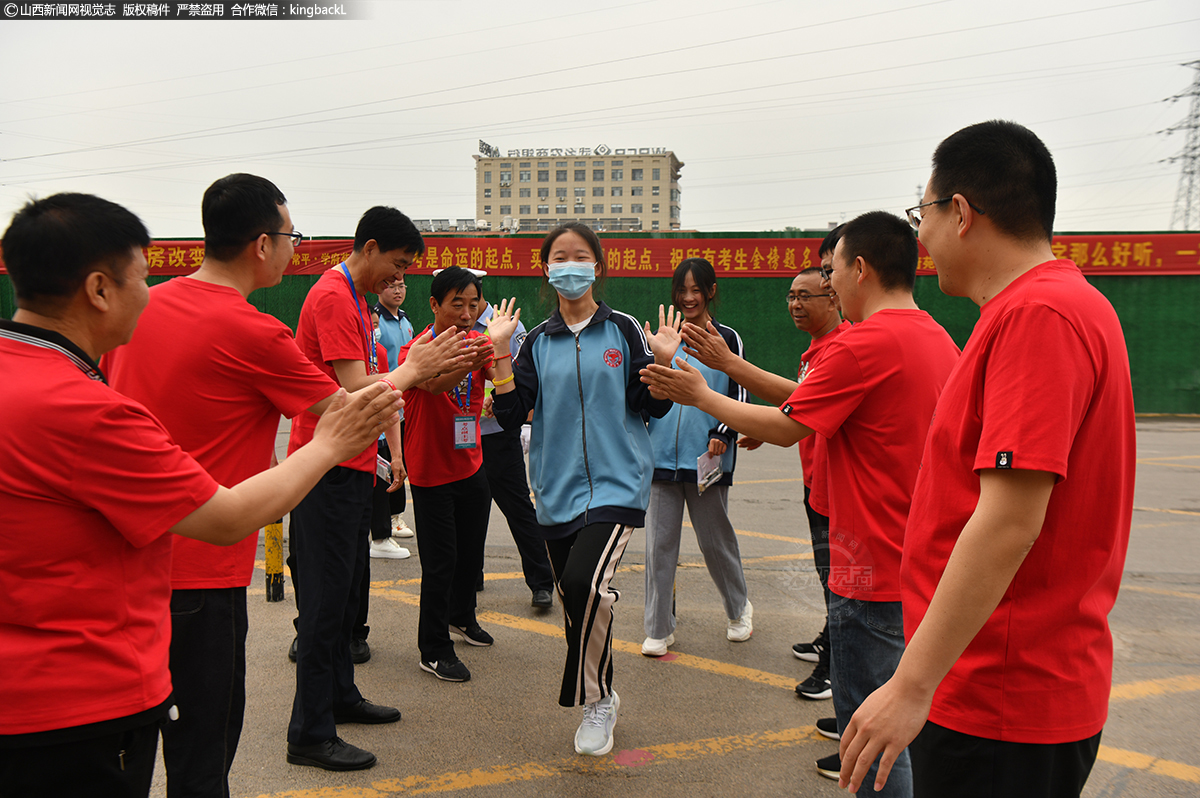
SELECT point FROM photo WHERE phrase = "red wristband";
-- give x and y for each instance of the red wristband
(389, 383)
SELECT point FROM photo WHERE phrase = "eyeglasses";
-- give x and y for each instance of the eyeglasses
(295, 235)
(914, 213)
(805, 298)
(825, 271)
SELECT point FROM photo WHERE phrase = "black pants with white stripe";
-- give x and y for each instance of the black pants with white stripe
(584, 564)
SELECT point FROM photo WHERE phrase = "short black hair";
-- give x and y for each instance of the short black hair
(1006, 171)
(703, 274)
(390, 229)
(888, 243)
(236, 210)
(52, 245)
(829, 243)
(453, 280)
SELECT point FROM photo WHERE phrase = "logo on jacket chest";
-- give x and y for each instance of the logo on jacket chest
(613, 358)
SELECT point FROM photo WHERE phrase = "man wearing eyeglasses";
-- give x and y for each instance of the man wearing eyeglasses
(1021, 513)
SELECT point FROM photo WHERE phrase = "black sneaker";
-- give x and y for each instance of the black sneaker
(360, 651)
(292, 648)
(827, 727)
(830, 766)
(473, 634)
(817, 686)
(448, 670)
(815, 651)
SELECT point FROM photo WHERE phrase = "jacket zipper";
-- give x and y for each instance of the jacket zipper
(678, 423)
(583, 424)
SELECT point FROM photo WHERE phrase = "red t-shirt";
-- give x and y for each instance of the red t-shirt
(1043, 384)
(332, 327)
(217, 373)
(429, 435)
(809, 359)
(90, 483)
(872, 395)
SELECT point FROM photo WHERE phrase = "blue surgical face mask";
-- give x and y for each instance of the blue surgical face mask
(572, 279)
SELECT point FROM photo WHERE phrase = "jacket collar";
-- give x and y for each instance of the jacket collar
(555, 323)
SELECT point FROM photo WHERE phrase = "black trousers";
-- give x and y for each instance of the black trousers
(329, 531)
(818, 531)
(208, 673)
(950, 764)
(504, 463)
(383, 506)
(451, 528)
(116, 765)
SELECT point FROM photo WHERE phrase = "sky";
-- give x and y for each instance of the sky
(784, 113)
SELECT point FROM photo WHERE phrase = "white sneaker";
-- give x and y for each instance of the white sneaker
(594, 736)
(388, 549)
(399, 528)
(655, 646)
(739, 629)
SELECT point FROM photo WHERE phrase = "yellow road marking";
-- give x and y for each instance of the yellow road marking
(1151, 764)
(1161, 592)
(767, 481)
(766, 536)
(1167, 686)
(1161, 510)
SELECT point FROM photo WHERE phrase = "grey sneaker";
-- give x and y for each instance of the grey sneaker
(594, 736)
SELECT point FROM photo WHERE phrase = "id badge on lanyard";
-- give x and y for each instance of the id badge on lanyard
(466, 426)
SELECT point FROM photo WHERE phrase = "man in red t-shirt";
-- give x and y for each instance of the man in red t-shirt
(331, 525)
(84, 626)
(1020, 518)
(451, 500)
(871, 396)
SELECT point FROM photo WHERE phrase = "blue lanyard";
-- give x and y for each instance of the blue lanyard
(372, 355)
(458, 397)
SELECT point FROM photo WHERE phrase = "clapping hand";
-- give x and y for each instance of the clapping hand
(665, 343)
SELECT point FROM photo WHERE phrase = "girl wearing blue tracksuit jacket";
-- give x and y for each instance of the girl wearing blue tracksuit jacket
(590, 463)
(678, 438)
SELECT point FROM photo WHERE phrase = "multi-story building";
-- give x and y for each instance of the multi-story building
(606, 189)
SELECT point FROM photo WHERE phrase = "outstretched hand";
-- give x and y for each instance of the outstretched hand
(503, 324)
(352, 423)
(429, 356)
(706, 345)
(665, 343)
(683, 384)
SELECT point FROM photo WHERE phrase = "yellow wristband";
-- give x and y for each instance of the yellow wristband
(505, 381)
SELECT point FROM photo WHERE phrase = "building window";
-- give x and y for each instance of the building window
(560, 209)
(618, 163)
(636, 191)
(524, 175)
(618, 174)
(560, 163)
(487, 210)
(656, 174)
(598, 175)
(654, 225)
(543, 164)
(506, 166)
(524, 193)
(636, 174)
(654, 190)
(581, 163)
(506, 210)
(635, 208)
(487, 177)
(505, 193)
(560, 192)
(505, 177)
(617, 191)
(580, 175)
(487, 193)
(618, 208)
(524, 165)
(580, 208)
(524, 210)
(597, 191)
(597, 163)
(560, 175)
(674, 211)
(597, 209)
(543, 175)
(543, 193)
(543, 210)
(580, 191)
(654, 208)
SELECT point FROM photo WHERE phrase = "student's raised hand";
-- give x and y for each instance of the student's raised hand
(683, 384)
(706, 345)
(503, 324)
(352, 423)
(664, 343)
(429, 356)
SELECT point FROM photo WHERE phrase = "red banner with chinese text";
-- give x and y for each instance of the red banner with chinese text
(1100, 254)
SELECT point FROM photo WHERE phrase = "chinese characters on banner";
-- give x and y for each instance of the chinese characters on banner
(1112, 253)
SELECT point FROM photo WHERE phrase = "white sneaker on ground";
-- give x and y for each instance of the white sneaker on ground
(399, 528)
(388, 549)
(740, 629)
(594, 736)
(657, 646)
